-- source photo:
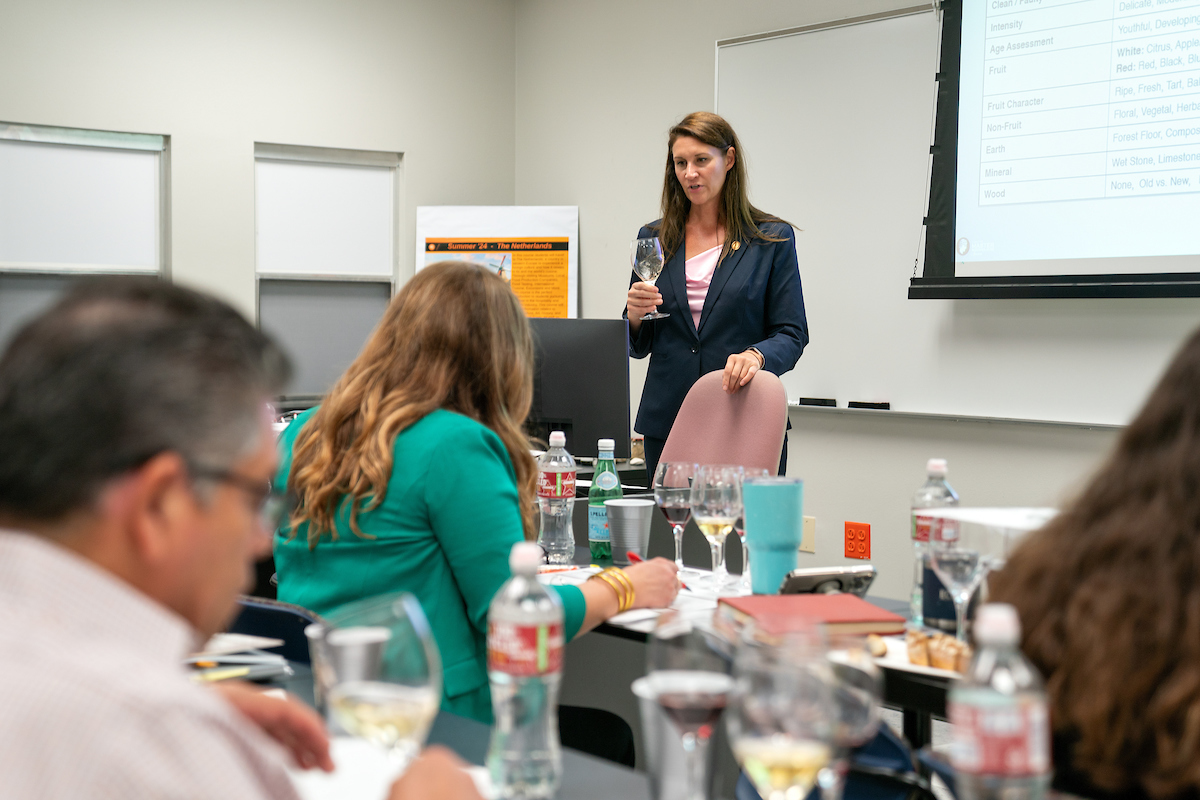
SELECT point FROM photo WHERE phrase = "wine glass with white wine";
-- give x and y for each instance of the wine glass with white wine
(385, 673)
(647, 257)
(716, 505)
(781, 713)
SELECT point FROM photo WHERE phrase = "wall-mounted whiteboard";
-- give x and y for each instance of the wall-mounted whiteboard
(325, 219)
(69, 207)
(835, 123)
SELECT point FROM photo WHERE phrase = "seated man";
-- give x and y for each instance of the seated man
(136, 454)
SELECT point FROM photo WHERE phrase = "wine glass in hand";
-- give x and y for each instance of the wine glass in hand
(385, 673)
(673, 493)
(716, 505)
(688, 671)
(647, 257)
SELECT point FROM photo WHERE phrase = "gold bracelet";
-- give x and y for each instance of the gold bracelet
(620, 575)
(618, 590)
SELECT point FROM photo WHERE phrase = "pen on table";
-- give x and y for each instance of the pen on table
(634, 558)
(250, 673)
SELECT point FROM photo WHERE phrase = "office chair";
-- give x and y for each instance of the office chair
(745, 428)
(261, 617)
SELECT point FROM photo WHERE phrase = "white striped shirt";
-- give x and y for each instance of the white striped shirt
(94, 700)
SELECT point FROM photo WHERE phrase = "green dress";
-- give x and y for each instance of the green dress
(443, 532)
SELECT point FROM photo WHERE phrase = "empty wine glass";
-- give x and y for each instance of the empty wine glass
(673, 493)
(781, 714)
(647, 257)
(857, 688)
(961, 554)
(739, 527)
(688, 665)
(384, 672)
(716, 505)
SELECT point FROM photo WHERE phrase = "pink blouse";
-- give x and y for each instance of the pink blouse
(699, 271)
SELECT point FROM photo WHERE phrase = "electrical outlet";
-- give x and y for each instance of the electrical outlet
(808, 539)
(858, 540)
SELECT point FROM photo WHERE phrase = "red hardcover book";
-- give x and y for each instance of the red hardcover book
(839, 613)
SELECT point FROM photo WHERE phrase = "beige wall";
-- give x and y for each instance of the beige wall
(491, 102)
(598, 84)
(430, 79)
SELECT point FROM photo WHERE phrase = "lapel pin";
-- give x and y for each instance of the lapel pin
(736, 245)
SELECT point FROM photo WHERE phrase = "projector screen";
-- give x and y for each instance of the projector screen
(1073, 149)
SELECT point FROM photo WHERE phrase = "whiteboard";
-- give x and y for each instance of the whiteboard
(79, 207)
(835, 125)
(324, 219)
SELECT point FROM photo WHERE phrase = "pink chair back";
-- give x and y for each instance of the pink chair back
(744, 428)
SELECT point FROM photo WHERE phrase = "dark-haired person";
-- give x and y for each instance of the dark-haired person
(731, 283)
(136, 457)
(1109, 598)
(414, 474)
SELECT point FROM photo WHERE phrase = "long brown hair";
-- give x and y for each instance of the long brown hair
(455, 337)
(742, 221)
(1109, 599)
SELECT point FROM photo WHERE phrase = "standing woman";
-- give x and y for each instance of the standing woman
(414, 474)
(731, 283)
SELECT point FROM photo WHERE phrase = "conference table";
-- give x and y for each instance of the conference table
(611, 660)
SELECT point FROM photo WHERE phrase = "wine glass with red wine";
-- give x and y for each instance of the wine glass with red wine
(673, 493)
(688, 666)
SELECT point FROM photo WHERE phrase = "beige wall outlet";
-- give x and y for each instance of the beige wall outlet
(808, 538)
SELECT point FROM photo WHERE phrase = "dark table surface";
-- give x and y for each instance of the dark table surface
(584, 777)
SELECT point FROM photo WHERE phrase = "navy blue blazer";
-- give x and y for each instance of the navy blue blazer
(754, 300)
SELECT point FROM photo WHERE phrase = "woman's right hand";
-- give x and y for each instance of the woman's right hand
(655, 582)
(643, 298)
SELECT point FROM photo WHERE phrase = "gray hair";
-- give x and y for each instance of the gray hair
(118, 371)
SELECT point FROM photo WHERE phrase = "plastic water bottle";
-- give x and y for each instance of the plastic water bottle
(1001, 744)
(525, 655)
(556, 501)
(929, 598)
(606, 485)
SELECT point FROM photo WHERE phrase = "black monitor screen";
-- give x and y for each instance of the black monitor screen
(581, 383)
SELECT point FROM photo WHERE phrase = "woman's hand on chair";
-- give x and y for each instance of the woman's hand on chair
(739, 369)
(655, 583)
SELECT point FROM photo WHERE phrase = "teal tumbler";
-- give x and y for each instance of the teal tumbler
(773, 510)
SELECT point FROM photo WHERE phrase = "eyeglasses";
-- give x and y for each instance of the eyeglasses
(273, 505)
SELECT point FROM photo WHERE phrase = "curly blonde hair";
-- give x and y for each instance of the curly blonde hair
(455, 337)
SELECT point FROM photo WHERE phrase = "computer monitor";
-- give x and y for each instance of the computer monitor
(581, 383)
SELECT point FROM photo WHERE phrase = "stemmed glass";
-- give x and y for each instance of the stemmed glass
(716, 505)
(961, 554)
(739, 527)
(384, 673)
(857, 686)
(647, 258)
(688, 671)
(781, 715)
(673, 493)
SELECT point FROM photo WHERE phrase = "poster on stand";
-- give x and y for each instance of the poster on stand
(534, 248)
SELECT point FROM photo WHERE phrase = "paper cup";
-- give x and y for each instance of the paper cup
(629, 526)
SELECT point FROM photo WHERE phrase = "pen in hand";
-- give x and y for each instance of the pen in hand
(634, 558)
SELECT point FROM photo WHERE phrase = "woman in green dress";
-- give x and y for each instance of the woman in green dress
(414, 474)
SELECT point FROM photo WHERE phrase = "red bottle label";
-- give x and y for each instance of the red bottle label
(556, 484)
(525, 650)
(1012, 740)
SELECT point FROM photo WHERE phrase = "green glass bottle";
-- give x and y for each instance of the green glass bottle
(606, 485)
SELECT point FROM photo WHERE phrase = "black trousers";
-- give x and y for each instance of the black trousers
(654, 448)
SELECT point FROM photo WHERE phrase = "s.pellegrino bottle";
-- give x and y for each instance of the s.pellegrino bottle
(525, 656)
(930, 603)
(556, 500)
(606, 485)
(1001, 734)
